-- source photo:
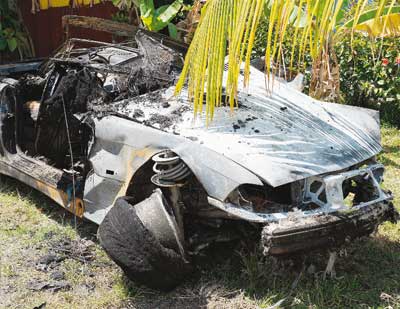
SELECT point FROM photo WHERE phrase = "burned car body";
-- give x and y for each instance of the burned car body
(100, 132)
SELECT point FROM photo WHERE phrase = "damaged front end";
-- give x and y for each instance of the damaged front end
(326, 211)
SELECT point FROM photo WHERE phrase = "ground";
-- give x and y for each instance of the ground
(49, 260)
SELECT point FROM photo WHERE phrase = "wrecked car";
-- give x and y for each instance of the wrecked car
(99, 130)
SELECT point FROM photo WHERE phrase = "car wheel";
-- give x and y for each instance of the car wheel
(142, 239)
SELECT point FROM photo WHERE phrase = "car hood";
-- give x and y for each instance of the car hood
(281, 136)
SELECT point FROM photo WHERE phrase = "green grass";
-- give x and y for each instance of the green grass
(368, 275)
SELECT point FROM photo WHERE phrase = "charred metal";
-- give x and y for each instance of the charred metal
(99, 131)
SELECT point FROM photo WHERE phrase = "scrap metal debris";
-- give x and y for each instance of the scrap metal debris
(81, 250)
(53, 287)
(49, 261)
(59, 250)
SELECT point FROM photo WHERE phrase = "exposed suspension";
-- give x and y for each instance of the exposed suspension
(171, 172)
(169, 169)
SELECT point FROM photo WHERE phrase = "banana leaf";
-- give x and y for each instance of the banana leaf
(384, 26)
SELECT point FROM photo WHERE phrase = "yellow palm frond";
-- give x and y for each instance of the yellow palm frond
(228, 27)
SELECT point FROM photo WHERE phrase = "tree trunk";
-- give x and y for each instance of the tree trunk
(325, 79)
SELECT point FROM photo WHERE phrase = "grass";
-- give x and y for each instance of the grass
(368, 274)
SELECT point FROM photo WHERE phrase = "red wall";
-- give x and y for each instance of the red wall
(46, 30)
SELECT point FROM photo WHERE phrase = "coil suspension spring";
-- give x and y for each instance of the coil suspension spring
(169, 169)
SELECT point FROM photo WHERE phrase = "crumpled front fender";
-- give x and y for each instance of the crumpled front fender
(122, 147)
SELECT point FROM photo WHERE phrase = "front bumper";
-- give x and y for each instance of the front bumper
(330, 186)
(332, 230)
(329, 222)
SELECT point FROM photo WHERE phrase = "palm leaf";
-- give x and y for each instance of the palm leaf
(228, 27)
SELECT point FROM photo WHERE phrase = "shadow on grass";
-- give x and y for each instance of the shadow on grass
(84, 228)
(383, 158)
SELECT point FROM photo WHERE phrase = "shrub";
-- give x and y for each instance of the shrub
(369, 74)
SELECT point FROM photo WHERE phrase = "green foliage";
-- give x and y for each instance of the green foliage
(7, 28)
(288, 70)
(155, 19)
(365, 78)
(121, 17)
(12, 36)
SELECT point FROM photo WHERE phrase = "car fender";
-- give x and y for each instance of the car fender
(122, 147)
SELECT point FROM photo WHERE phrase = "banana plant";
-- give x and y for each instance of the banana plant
(155, 19)
(228, 27)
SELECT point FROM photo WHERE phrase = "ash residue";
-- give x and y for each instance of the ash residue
(138, 113)
(251, 118)
(238, 125)
(162, 121)
(105, 108)
(180, 110)
(241, 123)
(167, 120)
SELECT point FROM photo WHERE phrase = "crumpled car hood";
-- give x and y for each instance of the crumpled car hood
(281, 137)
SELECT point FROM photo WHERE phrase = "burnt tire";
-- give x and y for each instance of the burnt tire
(138, 252)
